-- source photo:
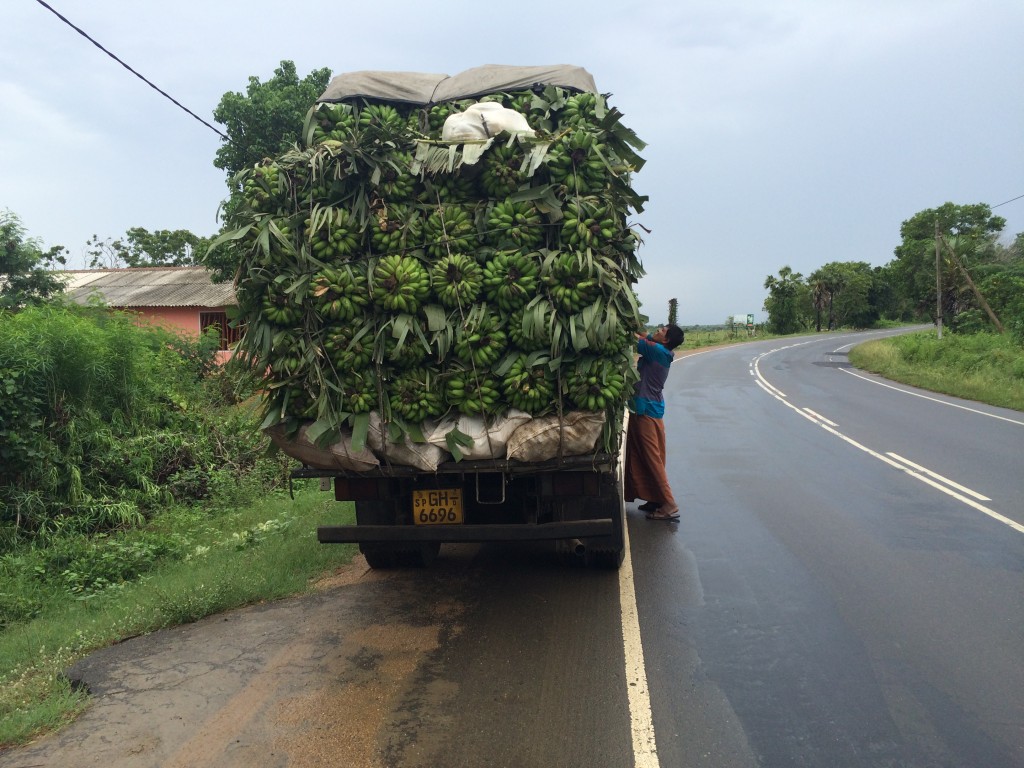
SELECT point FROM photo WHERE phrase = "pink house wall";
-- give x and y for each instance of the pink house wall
(184, 319)
(172, 318)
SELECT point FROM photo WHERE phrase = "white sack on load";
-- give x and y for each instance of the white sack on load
(423, 456)
(337, 456)
(482, 121)
(539, 439)
(489, 440)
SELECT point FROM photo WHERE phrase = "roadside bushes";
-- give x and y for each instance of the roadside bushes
(102, 421)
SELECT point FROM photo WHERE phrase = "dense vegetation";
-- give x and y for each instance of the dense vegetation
(135, 492)
(103, 424)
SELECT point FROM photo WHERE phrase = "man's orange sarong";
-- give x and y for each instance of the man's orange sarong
(645, 461)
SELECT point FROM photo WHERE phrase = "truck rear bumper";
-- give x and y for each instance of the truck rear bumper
(571, 529)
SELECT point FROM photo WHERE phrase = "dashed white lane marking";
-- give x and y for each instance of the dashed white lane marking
(939, 477)
(920, 473)
(819, 417)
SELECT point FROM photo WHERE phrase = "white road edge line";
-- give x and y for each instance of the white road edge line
(645, 751)
(641, 719)
(891, 462)
(933, 399)
(938, 477)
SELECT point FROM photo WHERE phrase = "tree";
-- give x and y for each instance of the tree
(26, 275)
(821, 296)
(268, 118)
(973, 225)
(783, 303)
(845, 289)
(264, 122)
(142, 248)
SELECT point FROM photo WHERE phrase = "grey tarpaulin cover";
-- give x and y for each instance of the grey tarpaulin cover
(421, 88)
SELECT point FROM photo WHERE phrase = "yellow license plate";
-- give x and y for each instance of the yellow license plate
(442, 506)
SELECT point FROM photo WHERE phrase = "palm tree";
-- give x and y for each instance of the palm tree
(821, 297)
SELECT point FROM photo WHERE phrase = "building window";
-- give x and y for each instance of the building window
(228, 335)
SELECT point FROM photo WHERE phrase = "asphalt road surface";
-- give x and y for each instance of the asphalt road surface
(845, 588)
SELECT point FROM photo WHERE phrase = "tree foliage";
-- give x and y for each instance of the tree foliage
(785, 302)
(263, 122)
(976, 230)
(267, 119)
(142, 248)
(26, 275)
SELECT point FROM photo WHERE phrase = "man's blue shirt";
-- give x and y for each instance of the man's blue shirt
(654, 364)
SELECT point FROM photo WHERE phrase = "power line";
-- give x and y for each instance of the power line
(1018, 197)
(143, 79)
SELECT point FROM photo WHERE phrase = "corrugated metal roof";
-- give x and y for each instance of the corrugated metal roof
(149, 287)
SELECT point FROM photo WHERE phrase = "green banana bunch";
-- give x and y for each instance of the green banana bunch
(358, 392)
(339, 293)
(529, 327)
(280, 307)
(397, 228)
(348, 347)
(480, 340)
(575, 161)
(580, 109)
(262, 188)
(596, 383)
(519, 223)
(529, 385)
(456, 280)
(520, 101)
(473, 393)
(286, 356)
(510, 279)
(400, 283)
(333, 234)
(332, 122)
(414, 395)
(449, 229)
(277, 251)
(451, 189)
(395, 180)
(587, 224)
(292, 399)
(407, 351)
(571, 279)
(501, 176)
(381, 123)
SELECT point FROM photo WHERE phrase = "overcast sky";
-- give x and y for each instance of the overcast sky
(780, 132)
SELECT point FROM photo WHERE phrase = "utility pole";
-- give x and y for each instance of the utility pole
(938, 281)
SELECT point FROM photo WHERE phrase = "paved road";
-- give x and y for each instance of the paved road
(844, 606)
(823, 602)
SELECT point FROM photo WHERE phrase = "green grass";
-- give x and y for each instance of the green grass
(984, 367)
(265, 551)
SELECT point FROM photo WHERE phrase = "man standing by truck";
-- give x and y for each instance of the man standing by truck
(646, 455)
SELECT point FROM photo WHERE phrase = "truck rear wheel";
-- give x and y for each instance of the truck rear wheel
(391, 554)
(385, 555)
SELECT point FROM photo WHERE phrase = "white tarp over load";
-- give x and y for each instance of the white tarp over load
(420, 88)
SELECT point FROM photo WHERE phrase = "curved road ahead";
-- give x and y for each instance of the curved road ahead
(845, 589)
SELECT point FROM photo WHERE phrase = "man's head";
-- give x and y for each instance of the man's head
(669, 335)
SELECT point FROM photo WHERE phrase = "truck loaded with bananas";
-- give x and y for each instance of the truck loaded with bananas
(436, 287)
